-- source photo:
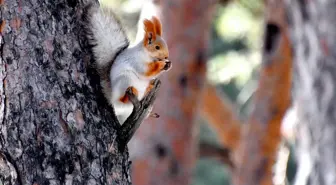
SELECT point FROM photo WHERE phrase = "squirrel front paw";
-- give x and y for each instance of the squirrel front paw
(156, 67)
(129, 90)
(167, 65)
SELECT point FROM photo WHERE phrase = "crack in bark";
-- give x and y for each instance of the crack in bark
(11, 161)
(2, 84)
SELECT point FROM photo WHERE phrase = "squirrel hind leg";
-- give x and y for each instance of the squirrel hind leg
(123, 112)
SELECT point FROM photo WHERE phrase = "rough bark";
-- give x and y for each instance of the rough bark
(169, 145)
(313, 31)
(260, 139)
(55, 125)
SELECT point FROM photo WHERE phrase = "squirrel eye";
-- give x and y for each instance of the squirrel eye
(157, 47)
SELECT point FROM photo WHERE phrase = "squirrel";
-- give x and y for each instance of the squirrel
(122, 67)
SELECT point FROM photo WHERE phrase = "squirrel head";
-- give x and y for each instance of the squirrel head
(153, 42)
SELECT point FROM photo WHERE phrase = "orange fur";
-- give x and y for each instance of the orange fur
(125, 99)
(150, 86)
(158, 25)
(153, 42)
(150, 32)
(159, 54)
(155, 68)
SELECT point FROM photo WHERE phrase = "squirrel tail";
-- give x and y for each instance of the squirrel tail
(107, 39)
(105, 34)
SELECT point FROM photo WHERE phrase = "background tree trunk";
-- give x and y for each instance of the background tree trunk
(260, 140)
(312, 26)
(169, 145)
(55, 127)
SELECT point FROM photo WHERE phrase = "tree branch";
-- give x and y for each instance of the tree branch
(140, 112)
(218, 111)
(212, 151)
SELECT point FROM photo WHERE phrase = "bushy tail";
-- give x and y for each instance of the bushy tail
(105, 34)
(107, 39)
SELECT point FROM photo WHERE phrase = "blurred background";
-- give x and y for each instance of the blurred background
(233, 62)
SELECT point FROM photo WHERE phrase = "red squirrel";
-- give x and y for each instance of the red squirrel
(122, 67)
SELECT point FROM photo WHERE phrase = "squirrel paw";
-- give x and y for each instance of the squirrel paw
(167, 65)
(131, 92)
(156, 67)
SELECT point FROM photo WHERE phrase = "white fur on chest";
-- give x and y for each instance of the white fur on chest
(123, 110)
(126, 72)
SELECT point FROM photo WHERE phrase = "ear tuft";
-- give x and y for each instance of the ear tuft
(150, 32)
(158, 25)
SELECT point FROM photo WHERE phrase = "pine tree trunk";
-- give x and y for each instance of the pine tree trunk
(55, 127)
(313, 31)
(261, 137)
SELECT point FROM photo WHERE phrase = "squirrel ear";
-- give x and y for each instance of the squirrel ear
(158, 25)
(149, 38)
(150, 32)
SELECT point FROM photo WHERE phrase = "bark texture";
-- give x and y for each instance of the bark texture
(169, 146)
(313, 31)
(55, 127)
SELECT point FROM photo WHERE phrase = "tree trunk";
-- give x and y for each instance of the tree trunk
(256, 155)
(169, 145)
(55, 127)
(313, 31)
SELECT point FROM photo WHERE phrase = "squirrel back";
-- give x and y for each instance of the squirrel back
(107, 37)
